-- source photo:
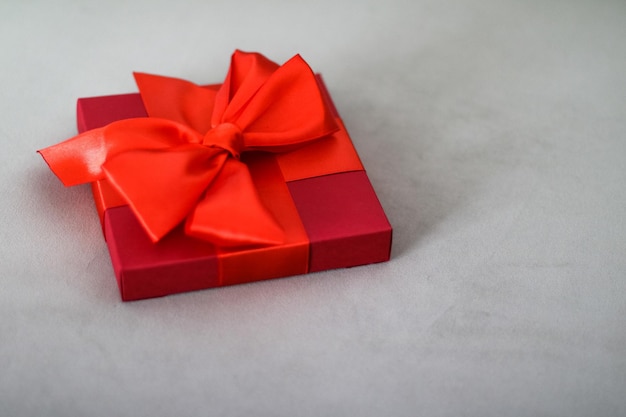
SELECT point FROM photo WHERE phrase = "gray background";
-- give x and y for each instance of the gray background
(494, 134)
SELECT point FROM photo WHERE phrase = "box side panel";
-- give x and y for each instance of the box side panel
(144, 269)
(344, 220)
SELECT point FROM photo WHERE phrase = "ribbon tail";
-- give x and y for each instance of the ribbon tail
(163, 186)
(80, 159)
(232, 213)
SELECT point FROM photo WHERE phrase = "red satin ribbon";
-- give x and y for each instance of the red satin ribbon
(182, 162)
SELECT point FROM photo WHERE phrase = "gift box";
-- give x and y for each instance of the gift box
(317, 207)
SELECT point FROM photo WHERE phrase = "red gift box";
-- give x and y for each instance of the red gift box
(319, 194)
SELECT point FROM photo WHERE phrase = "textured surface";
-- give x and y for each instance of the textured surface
(493, 133)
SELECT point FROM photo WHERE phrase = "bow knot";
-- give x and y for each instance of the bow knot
(227, 136)
(170, 171)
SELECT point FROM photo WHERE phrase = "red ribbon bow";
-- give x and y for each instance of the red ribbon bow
(182, 162)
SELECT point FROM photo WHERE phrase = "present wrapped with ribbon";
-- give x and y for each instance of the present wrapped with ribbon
(205, 186)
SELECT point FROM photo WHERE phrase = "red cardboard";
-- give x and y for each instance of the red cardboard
(145, 269)
(343, 219)
(319, 194)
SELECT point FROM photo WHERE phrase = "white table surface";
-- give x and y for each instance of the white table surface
(495, 135)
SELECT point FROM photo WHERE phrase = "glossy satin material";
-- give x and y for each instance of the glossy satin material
(182, 162)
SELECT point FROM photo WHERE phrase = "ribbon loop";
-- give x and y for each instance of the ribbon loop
(227, 136)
